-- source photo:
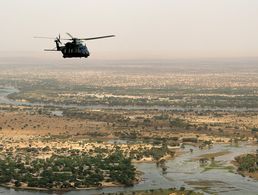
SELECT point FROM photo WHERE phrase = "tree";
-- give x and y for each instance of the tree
(17, 183)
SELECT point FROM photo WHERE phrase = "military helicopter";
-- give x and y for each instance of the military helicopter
(74, 48)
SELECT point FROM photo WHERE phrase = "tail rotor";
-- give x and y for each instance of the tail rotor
(58, 39)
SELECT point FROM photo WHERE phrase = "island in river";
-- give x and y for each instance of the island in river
(247, 165)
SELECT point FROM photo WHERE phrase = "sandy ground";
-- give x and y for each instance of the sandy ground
(23, 124)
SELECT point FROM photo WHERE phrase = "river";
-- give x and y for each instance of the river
(5, 91)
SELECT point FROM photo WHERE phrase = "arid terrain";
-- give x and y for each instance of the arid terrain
(112, 116)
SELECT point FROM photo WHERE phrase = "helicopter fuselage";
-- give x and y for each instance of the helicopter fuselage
(74, 49)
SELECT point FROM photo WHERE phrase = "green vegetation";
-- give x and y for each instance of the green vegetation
(155, 152)
(179, 123)
(254, 129)
(52, 167)
(218, 165)
(214, 155)
(247, 162)
(77, 171)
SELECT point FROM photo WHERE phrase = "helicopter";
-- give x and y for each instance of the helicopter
(74, 48)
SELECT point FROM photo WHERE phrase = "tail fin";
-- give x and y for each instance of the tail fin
(58, 41)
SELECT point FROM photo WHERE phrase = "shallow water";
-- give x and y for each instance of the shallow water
(3, 95)
(185, 171)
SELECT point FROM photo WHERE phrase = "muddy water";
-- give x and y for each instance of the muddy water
(185, 171)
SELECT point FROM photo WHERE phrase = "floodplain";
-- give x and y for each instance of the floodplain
(130, 126)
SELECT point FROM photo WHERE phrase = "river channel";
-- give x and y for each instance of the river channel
(5, 91)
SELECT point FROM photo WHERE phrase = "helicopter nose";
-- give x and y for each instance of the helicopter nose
(87, 52)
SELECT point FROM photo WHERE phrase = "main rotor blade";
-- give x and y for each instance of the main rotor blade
(108, 36)
(70, 35)
(50, 38)
(44, 37)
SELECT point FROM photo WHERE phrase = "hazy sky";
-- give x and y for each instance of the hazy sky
(144, 28)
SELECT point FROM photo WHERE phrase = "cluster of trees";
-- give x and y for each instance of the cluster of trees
(254, 130)
(154, 152)
(247, 162)
(179, 123)
(99, 116)
(68, 171)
